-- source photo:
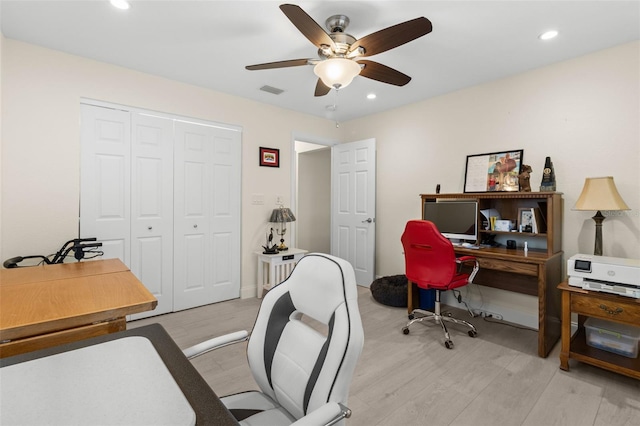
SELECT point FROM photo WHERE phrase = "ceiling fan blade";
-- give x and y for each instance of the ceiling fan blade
(383, 73)
(394, 36)
(321, 88)
(307, 26)
(279, 64)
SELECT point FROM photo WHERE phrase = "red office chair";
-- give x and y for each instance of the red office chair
(430, 263)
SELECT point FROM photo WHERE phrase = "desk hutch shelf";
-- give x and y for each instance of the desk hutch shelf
(536, 272)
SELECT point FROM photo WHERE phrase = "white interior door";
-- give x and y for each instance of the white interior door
(152, 208)
(105, 179)
(206, 215)
(353, 203)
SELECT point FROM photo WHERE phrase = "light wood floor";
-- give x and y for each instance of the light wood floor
(494, 379)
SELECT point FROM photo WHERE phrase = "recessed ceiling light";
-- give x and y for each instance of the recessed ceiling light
(548, 35)
(371, 96)
(120, 4)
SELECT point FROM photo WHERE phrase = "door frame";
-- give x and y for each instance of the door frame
(301, 137)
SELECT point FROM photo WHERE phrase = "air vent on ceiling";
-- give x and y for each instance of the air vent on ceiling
(270, 89)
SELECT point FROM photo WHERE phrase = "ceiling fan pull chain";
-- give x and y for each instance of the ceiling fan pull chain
(335, 109)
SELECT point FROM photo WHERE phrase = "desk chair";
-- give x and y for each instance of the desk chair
(431, 263)
(304, 374)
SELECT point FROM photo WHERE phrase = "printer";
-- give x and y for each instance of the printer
(606, 274)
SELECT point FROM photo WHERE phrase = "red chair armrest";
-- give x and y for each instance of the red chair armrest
(469, 259)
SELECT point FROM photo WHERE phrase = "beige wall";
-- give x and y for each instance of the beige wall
(41, 91)
(314, 200)
(1, 192)
(583, 113)
(1, 50)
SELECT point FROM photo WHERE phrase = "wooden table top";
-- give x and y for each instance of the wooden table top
(42, 299)
(60, 271)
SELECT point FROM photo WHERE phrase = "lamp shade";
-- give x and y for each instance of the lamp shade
(282, 214)
(600, 193)
(337, 72)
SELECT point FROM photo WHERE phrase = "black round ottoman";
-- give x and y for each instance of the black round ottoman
(391, 290)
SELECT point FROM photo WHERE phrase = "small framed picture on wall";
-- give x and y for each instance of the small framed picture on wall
(269, 157)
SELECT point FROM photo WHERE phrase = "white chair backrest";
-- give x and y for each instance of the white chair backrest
(308, 336)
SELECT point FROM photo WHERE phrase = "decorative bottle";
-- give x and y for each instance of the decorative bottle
(548, 183)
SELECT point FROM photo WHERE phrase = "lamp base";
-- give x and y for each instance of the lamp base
(597, 247)
(282, 246)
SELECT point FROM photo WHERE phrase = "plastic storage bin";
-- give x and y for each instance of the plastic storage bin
(621, 339)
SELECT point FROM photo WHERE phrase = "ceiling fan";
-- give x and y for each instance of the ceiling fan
(339, 53)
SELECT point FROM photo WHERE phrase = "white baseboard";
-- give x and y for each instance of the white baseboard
(249, 292)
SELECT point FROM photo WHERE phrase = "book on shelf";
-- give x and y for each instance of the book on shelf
(543, 209)
(539, 224)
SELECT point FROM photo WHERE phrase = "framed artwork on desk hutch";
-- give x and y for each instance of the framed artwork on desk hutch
(493, 171)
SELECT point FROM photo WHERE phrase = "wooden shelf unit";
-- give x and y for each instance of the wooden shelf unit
(536, 272)
(508, 205)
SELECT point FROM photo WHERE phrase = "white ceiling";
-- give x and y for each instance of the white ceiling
(207, 43)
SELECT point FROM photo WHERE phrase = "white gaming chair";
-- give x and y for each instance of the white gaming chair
(304, 374)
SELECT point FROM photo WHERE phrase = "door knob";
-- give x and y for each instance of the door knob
(195, 226)
(150, 228)
(369, 220)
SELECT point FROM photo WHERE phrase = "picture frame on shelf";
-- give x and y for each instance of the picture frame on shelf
(493, 171)
(525, 220)
(269, 157)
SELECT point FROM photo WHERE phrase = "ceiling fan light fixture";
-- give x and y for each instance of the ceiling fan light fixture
(337, 72)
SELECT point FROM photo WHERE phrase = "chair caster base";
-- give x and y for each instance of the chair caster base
(472, 333)
(411, 316)
(405, 330)
(448, 344)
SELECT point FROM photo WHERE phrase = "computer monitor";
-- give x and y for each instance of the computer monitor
(456, 220)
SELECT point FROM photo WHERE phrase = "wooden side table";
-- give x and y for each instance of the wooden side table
(606, 306)
(280, 266)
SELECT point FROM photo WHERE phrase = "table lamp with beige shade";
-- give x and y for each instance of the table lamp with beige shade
(599, 193)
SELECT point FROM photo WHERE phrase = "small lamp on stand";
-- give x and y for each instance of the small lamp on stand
(599, 193)
(282, 215)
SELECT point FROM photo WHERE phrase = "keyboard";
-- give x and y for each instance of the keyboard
(466, 245)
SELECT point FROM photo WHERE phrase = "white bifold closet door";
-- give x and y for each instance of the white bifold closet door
(163, 195)
(207, 211)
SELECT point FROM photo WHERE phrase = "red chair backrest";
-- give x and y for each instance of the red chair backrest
(430, 261)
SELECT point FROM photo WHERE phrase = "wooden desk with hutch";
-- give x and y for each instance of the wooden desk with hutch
(536, 272)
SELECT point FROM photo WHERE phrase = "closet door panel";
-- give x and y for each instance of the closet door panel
(226, 214)
(195, 271)
(152, 208)
(192, 211)
(105, 179)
